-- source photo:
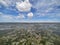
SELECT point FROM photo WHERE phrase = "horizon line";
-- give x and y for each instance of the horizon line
(35, 22)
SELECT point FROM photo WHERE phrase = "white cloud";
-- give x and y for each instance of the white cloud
(41, 4)
(11, 18)
(46, 11)
(24, 6)
(30, 15)
(7, 17)
(3, 2)
(8, 3)
(20, 16)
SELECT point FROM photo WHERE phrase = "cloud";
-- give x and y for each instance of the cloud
(3, 2)
(30, 15)
(24, 6)
(46, 11)
(11, 18)
(6, 17)
(20, 16)
(42, 3)
(44, 6)
(17, 10)
(6, 3)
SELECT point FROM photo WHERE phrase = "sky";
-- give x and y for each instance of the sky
(29, 10)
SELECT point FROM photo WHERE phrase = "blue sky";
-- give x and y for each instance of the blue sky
(29, 10)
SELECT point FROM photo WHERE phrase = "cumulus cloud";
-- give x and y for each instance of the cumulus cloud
(30, 15)
(44, 8)
(24, 6)
(20, 16)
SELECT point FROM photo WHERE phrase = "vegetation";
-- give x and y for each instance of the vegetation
(30, 36)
